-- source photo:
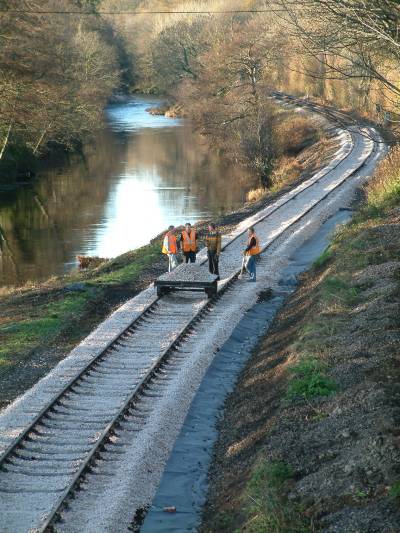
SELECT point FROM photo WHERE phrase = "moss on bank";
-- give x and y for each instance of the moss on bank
(321, 393)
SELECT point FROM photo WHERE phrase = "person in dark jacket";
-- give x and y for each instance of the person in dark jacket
(213, 243)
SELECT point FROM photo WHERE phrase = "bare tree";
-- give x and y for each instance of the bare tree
(56, 73)
(229, 98)
(355, 41)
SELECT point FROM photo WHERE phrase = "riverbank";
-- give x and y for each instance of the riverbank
(309, 440)
(42, 322)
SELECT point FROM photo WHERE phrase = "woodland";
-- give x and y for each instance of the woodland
(61, 61)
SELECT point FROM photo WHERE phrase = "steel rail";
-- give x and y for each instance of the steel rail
(129, 402)
(162, 360)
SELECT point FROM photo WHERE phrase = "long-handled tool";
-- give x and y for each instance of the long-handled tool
(242, 270)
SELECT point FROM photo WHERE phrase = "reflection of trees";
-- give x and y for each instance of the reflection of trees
(183, 159)
(45, 225)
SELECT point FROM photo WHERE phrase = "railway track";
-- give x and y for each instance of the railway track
(80, 434)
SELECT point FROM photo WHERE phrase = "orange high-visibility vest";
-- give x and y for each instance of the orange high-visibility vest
(189, 241)
(256, 249)
(169, 244)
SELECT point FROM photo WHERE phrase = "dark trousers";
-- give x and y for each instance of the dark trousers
(213, 262)
(190, 257)
(251, 267)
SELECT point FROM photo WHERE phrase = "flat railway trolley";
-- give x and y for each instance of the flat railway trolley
(187, 277)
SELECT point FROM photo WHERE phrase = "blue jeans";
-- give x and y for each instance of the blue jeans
(251, 267)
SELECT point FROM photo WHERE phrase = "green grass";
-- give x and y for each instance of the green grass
(269, 510)
(384, 195)
(323, 258)
(128, 267)
(22, 335)
(336, 288)
(310, 380)
(394, 491)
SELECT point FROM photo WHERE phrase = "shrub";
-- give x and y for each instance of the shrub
(294, 134)
(310, 380)
(383, 191)
(256, 194)
(269, 510)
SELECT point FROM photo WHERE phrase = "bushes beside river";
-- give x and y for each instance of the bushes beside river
(56, 74)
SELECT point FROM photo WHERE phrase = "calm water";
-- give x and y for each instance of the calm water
(141, 174)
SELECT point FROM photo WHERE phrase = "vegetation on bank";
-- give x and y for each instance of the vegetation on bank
(37, 319)
(57, 71)
(320, 395)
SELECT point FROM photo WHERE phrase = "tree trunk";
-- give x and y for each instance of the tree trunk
(41, 139)
(6, 140)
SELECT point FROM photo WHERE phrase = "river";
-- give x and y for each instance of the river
(141, 173)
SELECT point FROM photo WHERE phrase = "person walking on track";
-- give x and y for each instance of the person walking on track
(250, 253)
(170, 248)
(213, 243)
(188, 241)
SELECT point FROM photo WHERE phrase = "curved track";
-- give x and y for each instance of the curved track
(87, 422)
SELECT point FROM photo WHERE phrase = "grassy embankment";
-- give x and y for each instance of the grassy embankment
(310, 439)
(41, 322)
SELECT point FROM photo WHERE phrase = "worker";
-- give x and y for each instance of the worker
(188, 241)
(213, 243)
(170, 248)
(251, 251)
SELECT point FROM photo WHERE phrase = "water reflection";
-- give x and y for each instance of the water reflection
(143, 173)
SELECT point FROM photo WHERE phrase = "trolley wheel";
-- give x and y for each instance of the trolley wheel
(211, 291)
(161, 291)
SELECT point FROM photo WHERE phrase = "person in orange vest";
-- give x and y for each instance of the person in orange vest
(251, 251)
(170, 248)
(188, 241)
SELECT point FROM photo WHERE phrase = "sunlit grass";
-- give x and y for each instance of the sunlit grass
(128, 267)
(383, 191)
(310, 380)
